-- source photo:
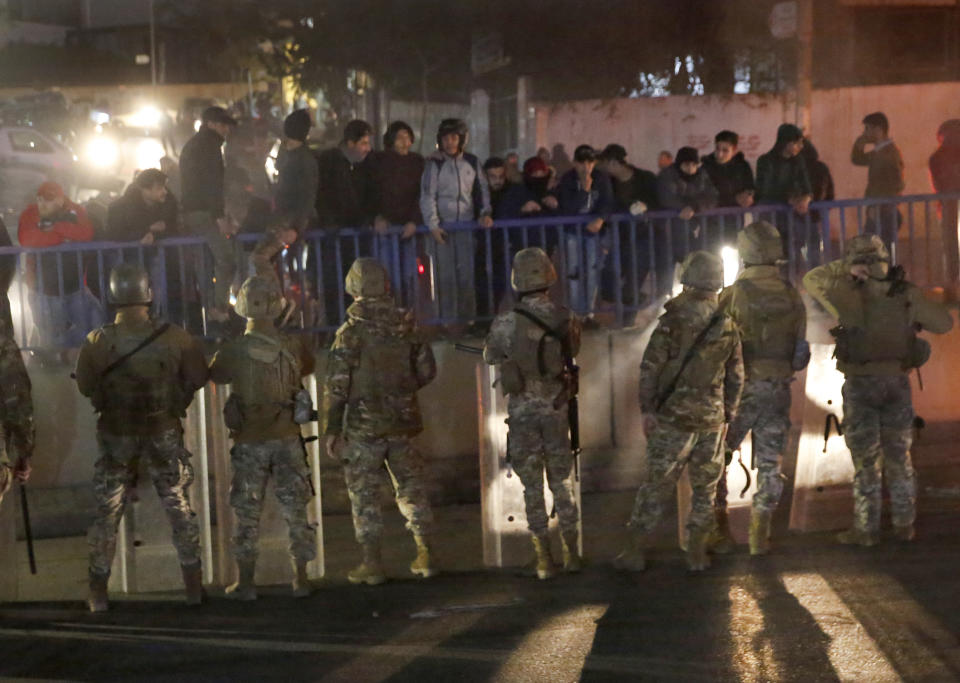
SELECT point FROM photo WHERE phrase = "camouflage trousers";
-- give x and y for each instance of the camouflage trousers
(669, 450)
(878, 430)
(363, 469)
(539, 442)
(764, 411)
(253, 463)
(168, 464)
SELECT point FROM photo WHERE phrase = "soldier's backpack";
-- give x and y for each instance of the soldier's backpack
(141, 383)
(265, 384)
(769, 322)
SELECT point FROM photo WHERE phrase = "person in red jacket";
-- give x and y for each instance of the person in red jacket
(63, 309)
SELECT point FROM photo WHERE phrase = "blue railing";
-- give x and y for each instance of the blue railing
(59, 293)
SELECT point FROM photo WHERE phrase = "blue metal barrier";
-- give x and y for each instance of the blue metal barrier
(59, 293)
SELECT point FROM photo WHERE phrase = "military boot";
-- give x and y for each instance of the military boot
(193, 583)
(370, 571)
(422, 565)
(904, 533)
(545, 568)
(301, 582)
(633, 559)
(572, 562)
(97, 602)
(720, 541)
(855, 536)
(760, 531)
(697, 557)
(245, 589)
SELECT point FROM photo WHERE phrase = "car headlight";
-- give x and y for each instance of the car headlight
(102, 152)
(148, 154)
(148, 117)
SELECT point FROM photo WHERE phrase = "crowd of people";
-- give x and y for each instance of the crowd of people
(608, 223)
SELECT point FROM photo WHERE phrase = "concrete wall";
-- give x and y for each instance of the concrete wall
(647, 125)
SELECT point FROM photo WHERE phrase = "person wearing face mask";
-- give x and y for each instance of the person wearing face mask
(879, 314)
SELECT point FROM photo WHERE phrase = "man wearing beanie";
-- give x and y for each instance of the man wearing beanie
(298, 174)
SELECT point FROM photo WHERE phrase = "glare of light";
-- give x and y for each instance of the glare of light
(731, 265)
(148, 154)
(420, 269)
(103, 152)
(147, 117)
(270, 165)
(196, 125)
(233, 299)
(99, 117)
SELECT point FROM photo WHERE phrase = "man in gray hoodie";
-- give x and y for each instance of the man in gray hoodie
(453, 190)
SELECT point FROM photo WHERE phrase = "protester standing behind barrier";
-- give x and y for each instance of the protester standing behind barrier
(297, 174)
(534, 345)
(370, 412)
(264, 368)
(454, 189)
(63, 308)
(782, 179)
(140, 377)
(945, 175)
(884, 175)
(586, 192)
(202, 178)
(879, 314)
(772, 321)
(16, 413)
(690, 383)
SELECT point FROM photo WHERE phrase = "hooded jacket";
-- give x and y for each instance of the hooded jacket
(677, 191)
(453, 189)
(201, 173)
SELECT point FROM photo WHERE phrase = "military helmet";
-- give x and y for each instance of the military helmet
(866, 249)
(702, 270)
(759, 244)
(367, 278)
(130, 285)
(532, 270)
(259, 297)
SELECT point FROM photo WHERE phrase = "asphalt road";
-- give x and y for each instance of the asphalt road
(813, 611)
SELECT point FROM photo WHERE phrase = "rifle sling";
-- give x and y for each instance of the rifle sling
(140, 347)
(563, 338)
(668, 392)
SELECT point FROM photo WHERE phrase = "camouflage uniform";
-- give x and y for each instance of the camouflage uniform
(690, 418)
(140, 404)
(876, 348)
(267, 440)
(772, 321)
(16, 409)
(539, 438)
(377, 363)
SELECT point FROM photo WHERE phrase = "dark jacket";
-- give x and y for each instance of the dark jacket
(779, 180)
(677, 191)
(514, 196)
(642, 187)
(821, 182)
(575, 201)
(395, 186)
(730, 178)
(298, 177)
(201, 173)
(885, 169)
(129, 218)
(343, 191)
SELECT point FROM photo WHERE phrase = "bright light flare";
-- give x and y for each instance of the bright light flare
(148, 154)
(147, 117)
(103, 152)
(731, 265)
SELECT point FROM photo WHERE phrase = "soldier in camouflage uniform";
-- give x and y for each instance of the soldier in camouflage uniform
(690, 383)
(264, 367)
(533, 373)
(370, 412)
(773, 323)
(140, 377)
(16, 413)
(880, 314)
